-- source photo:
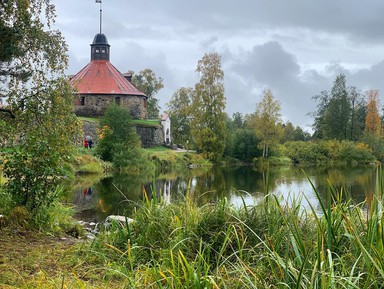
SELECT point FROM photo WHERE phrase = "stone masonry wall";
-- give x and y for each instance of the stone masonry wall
(149, 135)
(95, 105)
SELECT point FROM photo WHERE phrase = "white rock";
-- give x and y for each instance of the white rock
(117, 218)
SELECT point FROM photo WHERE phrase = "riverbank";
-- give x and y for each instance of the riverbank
(30, 259)
(162, 159)
(182, 245)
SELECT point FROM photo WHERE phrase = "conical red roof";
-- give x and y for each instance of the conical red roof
(101, 77)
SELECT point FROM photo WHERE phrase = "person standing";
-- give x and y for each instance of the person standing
(90, 142)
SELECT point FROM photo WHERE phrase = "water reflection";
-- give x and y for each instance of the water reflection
(100, 197)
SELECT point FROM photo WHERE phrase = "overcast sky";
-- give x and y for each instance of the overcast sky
(295, 48)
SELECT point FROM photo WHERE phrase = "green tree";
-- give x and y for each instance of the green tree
(39, 102)
(319, 116)
(333, 117)
(266, 122)
(238, 120)
(179, 108)
(147, 82)
(338, 113)
(118, 141)
(208, 117)
(244, 145)
(358, 113)
(292, 133)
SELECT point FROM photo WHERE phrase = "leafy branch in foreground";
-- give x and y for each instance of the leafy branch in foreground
(42, 126)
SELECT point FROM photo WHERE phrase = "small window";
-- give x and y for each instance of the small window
(117, 100)
(103, 51)
(82, 101)
(97, 50)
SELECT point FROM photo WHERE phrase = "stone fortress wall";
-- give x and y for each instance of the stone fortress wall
(150, 135)
(95, 105)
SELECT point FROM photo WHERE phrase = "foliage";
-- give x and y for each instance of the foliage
(25, 41)
(180, 110)
(39, 103)
(372, 119)
(376, 143)
(118, 141)
(87, 164)
(244, 145)
(208, 118)
(328, 152)
(266, 122)
(44, 149)
(147, 82)
(340, 113)
(291, 133)
(170, 160)
(358, 114)
(238, 120)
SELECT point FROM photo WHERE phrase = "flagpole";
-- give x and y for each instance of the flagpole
(101, 15)
(101, 12)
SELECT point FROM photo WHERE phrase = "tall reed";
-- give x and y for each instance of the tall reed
(269, 245)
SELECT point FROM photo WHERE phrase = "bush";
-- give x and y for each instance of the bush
(328, 152)
(244, 145)
(118, 141)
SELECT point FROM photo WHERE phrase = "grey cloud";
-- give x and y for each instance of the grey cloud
(208, 43)
(270, 66)
(305, 44)
(268, 63)
(343, 16)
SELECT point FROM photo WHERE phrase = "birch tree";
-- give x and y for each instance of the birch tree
(266, 122)
(208, 117)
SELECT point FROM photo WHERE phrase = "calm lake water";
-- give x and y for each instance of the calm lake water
(96, 197)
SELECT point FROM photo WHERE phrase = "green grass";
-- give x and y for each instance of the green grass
(91, 119)
(270, 245)
(158, 149)
(146, 122)
(88, 164)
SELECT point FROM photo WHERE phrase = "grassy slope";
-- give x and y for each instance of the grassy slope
(29, 259)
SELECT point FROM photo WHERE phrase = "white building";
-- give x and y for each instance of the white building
(166, 123)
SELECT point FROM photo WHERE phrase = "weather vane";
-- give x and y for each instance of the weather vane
(101, 12)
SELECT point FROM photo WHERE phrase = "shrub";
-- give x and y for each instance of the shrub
(328, 152)
(118, 141)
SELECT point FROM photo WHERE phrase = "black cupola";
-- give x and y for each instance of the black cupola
(100, 47)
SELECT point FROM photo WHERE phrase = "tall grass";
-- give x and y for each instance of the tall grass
(270, 245)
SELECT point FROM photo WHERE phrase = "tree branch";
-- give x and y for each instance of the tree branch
(7, 111)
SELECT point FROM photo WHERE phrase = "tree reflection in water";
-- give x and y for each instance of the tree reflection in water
(119, 194)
